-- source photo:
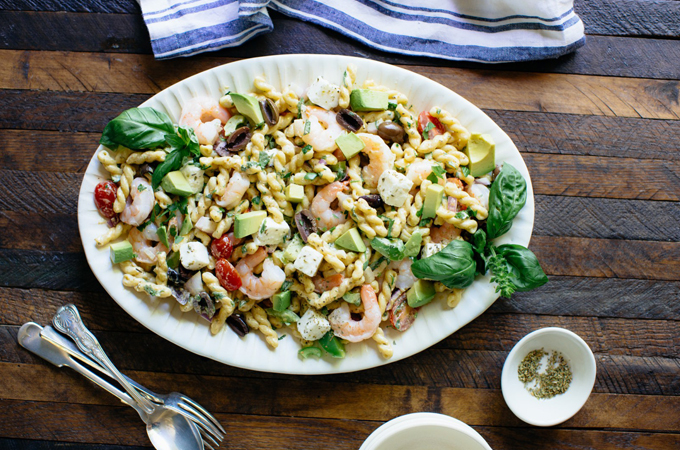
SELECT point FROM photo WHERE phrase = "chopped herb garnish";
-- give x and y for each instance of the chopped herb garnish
(300, 104)
(465, 170)
(264, 159)
(306, 149)
(263, 228)
(256, 200)
(311, 176)
(308, 127)
(141, 187)
(427, 129)
(378, 262)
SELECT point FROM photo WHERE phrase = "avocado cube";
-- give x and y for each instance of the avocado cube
(353, 298)
(420, 294)
(121, 251)
(295, 193)
(351, 240)
(234, 123)
(368, 100)
(248, 223)
(481, 150)
(162, 233)
(412, 247)
(433, 198)
(173, 260)
(176, 183)
(292, 251)
(248, 106)
(281, 301)
(350, 144)
(186, 226)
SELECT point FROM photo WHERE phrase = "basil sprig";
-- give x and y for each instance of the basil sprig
(507, 196)
(137, 128)
(395, 249)
(454, 266)
(183, 144)
(513, 267)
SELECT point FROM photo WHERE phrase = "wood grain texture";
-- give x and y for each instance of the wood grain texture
(50, 270)
(361, 401)
(630, 17)
(25, 444)
(608, 258)
(489, 89)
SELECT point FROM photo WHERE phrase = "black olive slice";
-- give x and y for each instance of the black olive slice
(373, 200)
(238, 325)
(269, 111)
(239, 139)
(306, 224)
(349, 120)
(391, 132)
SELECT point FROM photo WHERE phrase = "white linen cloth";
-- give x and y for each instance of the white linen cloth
(491, 31)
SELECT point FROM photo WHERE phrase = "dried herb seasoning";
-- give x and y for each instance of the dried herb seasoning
(552, 381)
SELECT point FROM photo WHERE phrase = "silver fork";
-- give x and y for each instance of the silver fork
(208, 425)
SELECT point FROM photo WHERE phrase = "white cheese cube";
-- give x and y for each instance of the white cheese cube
(308, 261)
(393, 187)
(271, 233)
(313, 325)
(430, 249)
(324, 93)
(194, 255)
(206, 225)
(194, 176)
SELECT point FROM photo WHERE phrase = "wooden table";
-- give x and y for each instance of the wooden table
(598, 129)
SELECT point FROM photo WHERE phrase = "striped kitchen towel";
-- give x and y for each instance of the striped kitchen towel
(491, 31)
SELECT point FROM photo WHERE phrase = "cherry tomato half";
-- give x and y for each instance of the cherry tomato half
(227, 275)
(423, 119)
(222, 247)
(104, 197)
(402, 315)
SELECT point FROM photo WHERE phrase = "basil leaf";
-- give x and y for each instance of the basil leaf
(137, 128)
(479, 241)
(508, 195)
(525, 272)
(391, 248)
(172, 162)
(454, 266)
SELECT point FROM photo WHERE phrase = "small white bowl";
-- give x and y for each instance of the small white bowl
(549, 412)
(424, 431)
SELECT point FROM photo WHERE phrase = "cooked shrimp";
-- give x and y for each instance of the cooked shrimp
(206, 117)
(139, 203)
(236, 189)
(269, 281)
(323, 284)
(480, 192)
(405, 278)
(321, 206)
(448, 231)
(357, 330)
(324, 129)
(380, 156)
(143, 248)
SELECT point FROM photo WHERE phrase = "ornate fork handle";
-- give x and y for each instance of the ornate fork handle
(68, 321)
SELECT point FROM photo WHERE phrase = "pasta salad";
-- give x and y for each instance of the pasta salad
(335, 211)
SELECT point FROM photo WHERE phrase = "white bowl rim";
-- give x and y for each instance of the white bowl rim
(591, 368)
(418, 419)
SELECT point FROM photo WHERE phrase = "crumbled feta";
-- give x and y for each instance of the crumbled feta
(194, 255)
(313, 325)
(271, 233)
(308, 261)
(430, 249)
(394, 187)
(194, 176)
(324, 93)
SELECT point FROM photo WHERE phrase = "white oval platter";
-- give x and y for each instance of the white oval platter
(435, 321)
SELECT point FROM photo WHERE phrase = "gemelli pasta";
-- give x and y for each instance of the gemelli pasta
(263, 210)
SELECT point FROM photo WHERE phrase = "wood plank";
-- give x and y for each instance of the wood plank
(599, 297)
(602, 55)
(537, 438)
(361, 402)
(48, 270)
(630, 17)
(66, 152)
(608, 258)
(588, 135)
(39, 231)
(24, 444)
(558, 93)
(19, 192)
(606, 218)
(440, 367)
(622, 178)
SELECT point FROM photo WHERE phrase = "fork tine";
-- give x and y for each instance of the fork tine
(203, 411)
(210, 447)
(199, 420)
(207, 436)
